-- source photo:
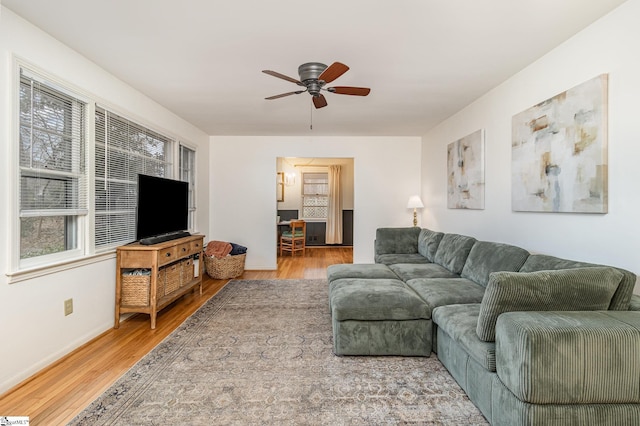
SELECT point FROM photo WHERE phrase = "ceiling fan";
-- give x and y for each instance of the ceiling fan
(313, 77)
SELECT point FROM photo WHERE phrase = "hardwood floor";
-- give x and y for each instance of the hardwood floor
(56, 394)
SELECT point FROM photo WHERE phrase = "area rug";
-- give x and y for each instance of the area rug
(260, 352)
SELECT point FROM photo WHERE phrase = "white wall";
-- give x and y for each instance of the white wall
(33, 328)
(243, 193)
(608, 46)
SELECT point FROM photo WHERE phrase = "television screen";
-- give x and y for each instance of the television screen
(163, 206)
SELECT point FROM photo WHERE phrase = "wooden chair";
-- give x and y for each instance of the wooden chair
(294, 239)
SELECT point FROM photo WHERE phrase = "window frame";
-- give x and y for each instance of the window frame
(193, 199)
(17, 171)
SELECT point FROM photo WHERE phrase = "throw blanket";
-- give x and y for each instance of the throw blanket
(237, 249)
(218, 249)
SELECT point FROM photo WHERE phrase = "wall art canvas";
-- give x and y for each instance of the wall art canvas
(465, 172)
(559, 152)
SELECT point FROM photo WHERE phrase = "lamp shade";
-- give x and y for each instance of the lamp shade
(415, 203)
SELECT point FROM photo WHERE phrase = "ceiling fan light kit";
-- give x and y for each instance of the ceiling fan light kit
(314, 76)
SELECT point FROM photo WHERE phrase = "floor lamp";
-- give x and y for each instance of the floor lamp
(415, 203)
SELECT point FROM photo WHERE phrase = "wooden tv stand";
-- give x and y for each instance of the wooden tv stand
(149, 277)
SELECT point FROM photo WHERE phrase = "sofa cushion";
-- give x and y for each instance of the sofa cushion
(487, 257)
(410, 271)
(459, 322)
(396, 240)
(579, 289)
(390, 258)
(622, 296)
(379, 299)
(335, 272)
(446, 291)
(428, 242)
(453, 251)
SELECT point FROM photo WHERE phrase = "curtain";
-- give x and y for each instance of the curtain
(334, 213)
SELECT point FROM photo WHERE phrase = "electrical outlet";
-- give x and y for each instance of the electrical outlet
(68, 307)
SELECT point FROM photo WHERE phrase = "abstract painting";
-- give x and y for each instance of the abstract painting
(559, 152)
(465, 172)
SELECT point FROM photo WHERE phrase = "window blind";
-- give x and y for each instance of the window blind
(52, 172)
(315, 195)
(123, 150)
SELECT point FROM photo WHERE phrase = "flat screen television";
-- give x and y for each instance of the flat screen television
(163, 208)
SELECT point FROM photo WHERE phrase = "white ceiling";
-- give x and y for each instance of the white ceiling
(202, 59)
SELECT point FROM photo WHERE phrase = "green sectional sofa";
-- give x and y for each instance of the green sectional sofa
(532, 339)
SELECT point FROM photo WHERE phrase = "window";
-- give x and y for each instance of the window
(315, 195)
(188, 174)
(52, 169)
(76, 185)
(123, 150)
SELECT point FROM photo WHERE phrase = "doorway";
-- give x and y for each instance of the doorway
(301, 195)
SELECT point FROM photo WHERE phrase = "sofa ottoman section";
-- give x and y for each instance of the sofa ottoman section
(378, 317)
(367, 271)
(357, 270)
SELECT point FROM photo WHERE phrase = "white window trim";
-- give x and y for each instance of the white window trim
(192, 147)
(15, 264)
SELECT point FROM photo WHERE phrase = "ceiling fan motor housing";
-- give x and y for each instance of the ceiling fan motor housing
(313, 77)
(309, 74)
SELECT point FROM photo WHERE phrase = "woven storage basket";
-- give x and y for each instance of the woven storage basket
(135, 290)
(187, 271)
(225, 267)
(160, 282)
(173, 278)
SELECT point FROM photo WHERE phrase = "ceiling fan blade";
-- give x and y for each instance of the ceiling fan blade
(334, 71)
(282, 95)
(347, 90)
(319, 101)
(282, 76)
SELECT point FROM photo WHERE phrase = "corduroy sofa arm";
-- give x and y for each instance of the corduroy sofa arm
(570, 357)
(635, 302)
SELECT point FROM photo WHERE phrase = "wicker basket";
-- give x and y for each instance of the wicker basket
(225, 267)
(136, 287)
(135, 290)
(173, 277)
(187, 271)
(160, 282)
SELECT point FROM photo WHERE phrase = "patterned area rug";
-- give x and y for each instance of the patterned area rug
(260, 352)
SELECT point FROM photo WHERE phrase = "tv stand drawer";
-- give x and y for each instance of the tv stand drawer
(167, 255)
(184, 249)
